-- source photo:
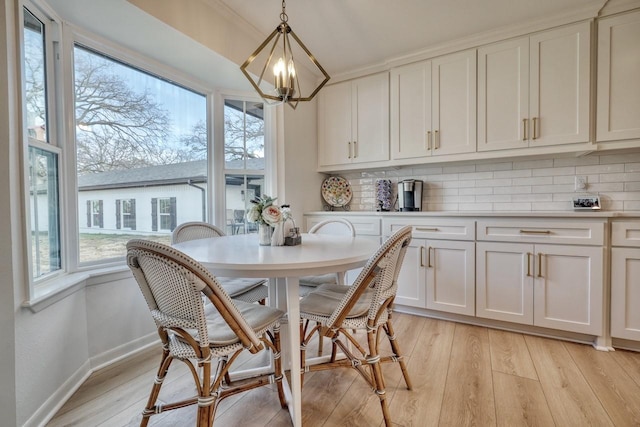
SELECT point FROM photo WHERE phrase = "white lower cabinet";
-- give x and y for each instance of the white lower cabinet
(625, 280)
(552, 286)
(438, 275)
(438, 271)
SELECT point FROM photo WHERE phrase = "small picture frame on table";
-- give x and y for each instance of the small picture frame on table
(589, 203)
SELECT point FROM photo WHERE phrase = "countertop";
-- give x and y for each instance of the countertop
(476, 214)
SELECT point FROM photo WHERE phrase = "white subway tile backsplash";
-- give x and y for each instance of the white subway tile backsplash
(475, 207)
(522, 189)
(520, 173)
(522, 185)
(576, 161)
(539, 180)
(494, 167)
(504, 182)
(567, 170)
(533, 164)
(612, 168)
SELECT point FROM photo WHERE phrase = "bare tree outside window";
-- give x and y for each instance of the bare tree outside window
(138, 137)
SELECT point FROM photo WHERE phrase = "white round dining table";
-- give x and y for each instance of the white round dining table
(242, 256)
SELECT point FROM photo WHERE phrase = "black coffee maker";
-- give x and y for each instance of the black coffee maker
(410, 195)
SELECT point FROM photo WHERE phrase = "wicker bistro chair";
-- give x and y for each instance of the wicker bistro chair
(336, 227)
(365, 306)
(196, 333)
(247, 290)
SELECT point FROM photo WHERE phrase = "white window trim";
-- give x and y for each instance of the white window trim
(270, 153)
(73, 277)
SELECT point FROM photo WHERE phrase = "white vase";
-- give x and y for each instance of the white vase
(277, 239)
(264, 234)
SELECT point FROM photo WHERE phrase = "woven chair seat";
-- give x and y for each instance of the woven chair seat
(222, 340)
(247, 290)
(322, 279)
(323, 300)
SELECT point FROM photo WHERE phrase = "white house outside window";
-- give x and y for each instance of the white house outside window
(141, 148)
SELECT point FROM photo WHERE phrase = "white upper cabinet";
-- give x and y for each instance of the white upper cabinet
(534, 91)
(433, 107)
(353, 121)
(618, 99)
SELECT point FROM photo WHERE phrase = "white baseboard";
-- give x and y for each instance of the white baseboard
(52, 405)
(123, 351)
(48, 409)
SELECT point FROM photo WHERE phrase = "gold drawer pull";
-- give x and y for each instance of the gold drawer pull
(535, 231)
(540, 254)
(421, 256)
(426, 229)
(528, 264)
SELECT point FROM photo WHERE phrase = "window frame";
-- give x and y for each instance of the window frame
(54, 132)
(60, 42)
(270, 138)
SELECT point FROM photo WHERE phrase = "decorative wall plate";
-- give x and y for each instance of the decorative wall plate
(336, 191)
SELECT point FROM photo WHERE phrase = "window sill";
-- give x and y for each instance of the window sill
(61, 287)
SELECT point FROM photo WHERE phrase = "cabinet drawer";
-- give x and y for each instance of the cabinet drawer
(432, 228)
(365, 226)
(625, 233)
(542, 231)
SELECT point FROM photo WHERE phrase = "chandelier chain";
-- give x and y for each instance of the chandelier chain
(283, 15)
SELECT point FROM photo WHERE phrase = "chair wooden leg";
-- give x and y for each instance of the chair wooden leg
(205, 401)
(379, 386)
(396, 351)
(277, 362)
(320, 341)
(149, 410)
(303, 351)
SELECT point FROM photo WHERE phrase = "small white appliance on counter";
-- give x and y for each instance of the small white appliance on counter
(410, 195)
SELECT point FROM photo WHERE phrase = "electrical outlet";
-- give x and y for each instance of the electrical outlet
(581, 183)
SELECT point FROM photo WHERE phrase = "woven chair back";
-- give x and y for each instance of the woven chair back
(173, 284)
(194, 230)
(335, 226)
(379, 274)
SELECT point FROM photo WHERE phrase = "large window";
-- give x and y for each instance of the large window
(141, 146)
(244, 152)
(43, 201)
(137, 145)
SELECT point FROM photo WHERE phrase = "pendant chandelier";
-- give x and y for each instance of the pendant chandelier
(277, 54)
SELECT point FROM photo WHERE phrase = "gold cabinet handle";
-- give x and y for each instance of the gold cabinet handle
(528, 264)
(540, 264)
(349, 149)
(429, 257)
(535, 231)
(426, 229)
(524, 129)
(535, 125)
(421, 256)
(428, 140)
(355, 149)
(437, 138)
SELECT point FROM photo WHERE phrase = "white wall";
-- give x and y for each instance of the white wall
(7, 210)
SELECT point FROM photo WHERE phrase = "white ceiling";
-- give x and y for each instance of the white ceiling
(344, 35)
(351, 34)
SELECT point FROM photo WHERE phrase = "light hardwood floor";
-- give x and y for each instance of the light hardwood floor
(462, 375)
